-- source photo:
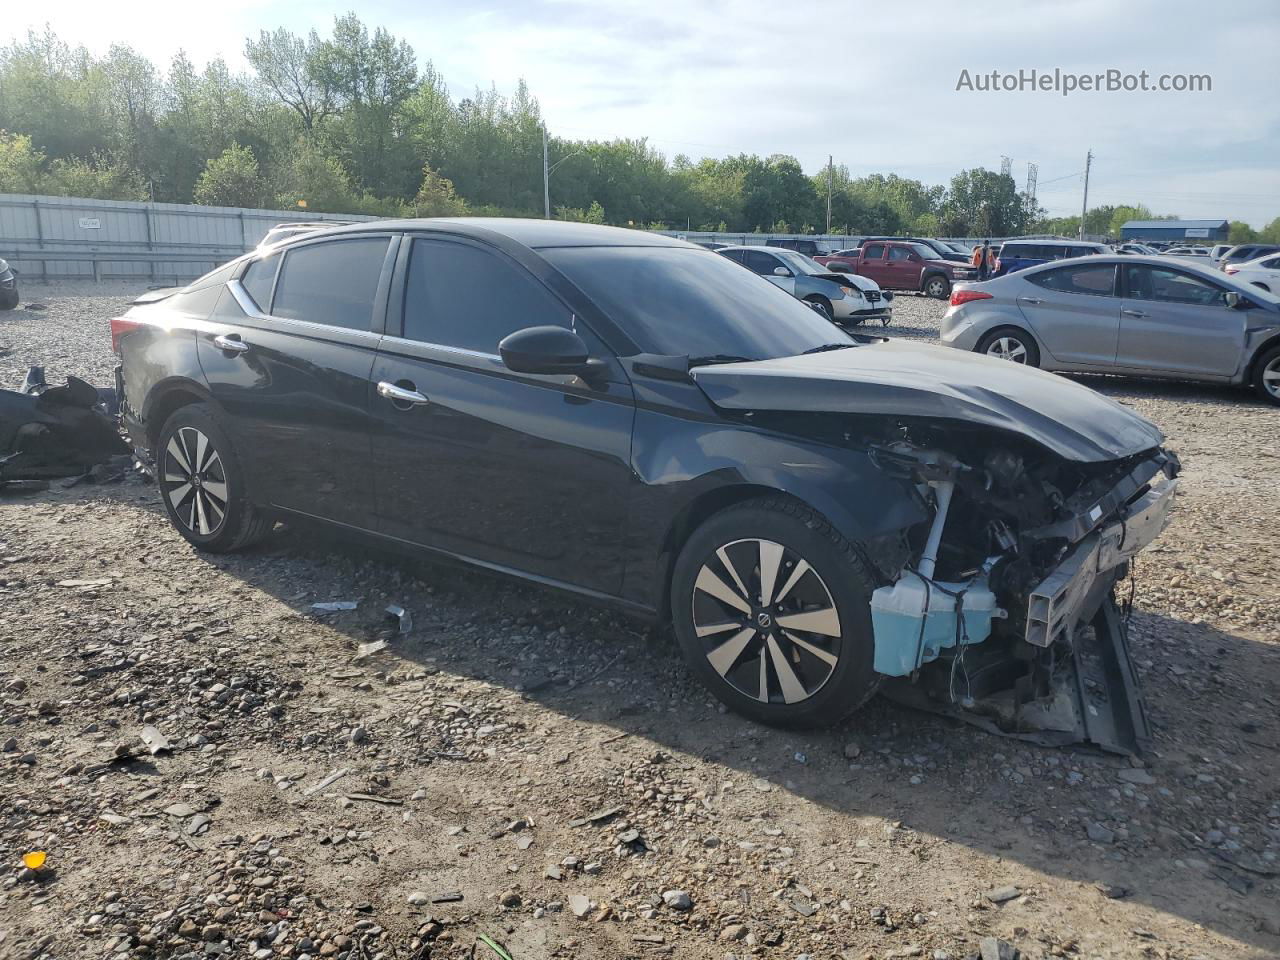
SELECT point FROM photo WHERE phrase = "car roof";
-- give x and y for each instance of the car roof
(536, 234)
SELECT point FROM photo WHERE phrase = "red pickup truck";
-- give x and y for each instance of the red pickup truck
(901, 265)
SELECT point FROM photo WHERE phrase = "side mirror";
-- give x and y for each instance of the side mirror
(1235, 301)
(549, 350)
(781, 272)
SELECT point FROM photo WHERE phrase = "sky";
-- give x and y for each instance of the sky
(872, 84)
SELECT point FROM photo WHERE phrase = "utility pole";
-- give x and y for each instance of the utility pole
(830, 161)
(546, 177)
(1084, 207)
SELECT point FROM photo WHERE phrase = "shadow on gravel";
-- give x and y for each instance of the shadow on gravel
(1212, 696)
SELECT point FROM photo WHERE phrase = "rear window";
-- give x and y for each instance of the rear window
(333, 282)
(1096, 281)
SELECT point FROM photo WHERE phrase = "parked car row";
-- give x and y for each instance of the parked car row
(648, 424)
(841, 297)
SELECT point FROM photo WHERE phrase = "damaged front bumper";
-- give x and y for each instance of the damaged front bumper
(48, 432)
(1049, 664)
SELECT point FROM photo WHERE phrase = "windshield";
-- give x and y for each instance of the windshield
(800, 264)
(678, 301)
(926, 251)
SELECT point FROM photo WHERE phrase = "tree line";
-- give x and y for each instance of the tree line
(354, 122)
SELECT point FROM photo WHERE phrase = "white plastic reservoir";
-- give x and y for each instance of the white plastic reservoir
(914, 621)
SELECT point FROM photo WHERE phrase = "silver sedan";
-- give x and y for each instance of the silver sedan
(1140, 316)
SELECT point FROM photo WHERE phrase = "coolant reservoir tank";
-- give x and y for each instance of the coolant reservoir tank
(914, 621)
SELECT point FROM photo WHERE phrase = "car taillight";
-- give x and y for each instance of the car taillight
(964, 296)
(119, 327)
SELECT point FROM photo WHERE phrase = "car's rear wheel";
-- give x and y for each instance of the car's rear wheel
(1266, 376)
(823, 304)
(938, 287)
(202, 484)
(771, 607)
(1012, 344)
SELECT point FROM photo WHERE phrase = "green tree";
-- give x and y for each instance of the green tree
(983, 203)
(1241, 232)
(436, 197)
(1271, 232)
(291, 68)
(231, 179)
(21, 164)
(313, 177)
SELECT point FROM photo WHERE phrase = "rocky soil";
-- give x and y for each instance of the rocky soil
(214, 768)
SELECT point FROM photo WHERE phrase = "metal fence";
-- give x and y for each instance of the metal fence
(51, 237)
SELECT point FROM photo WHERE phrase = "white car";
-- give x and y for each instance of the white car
(1263, 272)
(1189, 253)
(1215, 255)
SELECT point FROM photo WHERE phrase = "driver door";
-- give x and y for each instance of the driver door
(764, 263)
(522, 471)
(1177, 322)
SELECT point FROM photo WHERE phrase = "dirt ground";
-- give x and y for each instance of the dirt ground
(545, 773)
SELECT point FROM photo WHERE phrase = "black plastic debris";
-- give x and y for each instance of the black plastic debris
(48, 432)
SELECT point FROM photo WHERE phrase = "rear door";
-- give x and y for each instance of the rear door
(287, 356)
(764, 263)
(1174, 321)
(526, 472)
(1074, 312)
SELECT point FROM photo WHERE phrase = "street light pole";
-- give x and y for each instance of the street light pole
(830, 162)
(1084, 207)
(546, 177)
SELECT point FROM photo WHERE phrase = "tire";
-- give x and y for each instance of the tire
(823, 304)
(1266, 376)
(214, 514)
(1010, 343)
(832, 593)
(8, 303)
(936, 286)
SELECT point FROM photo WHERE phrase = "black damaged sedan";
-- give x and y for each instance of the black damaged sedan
(637, 420)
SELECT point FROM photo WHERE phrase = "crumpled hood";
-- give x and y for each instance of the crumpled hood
(862, 283)
(895, 378)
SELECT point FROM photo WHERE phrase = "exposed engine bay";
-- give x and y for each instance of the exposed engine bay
(1019, 563)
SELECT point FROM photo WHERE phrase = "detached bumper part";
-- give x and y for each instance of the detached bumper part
(49, 432)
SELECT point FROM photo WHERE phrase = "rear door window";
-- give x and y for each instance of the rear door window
(469, 297)
(333, 282)
(899, 253)
(1094, 281)
(873, 251)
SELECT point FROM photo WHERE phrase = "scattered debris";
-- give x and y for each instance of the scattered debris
(597, 817)
(333, 606)
(155, 740)
(327, 781)
(402, 617)
(50, 432)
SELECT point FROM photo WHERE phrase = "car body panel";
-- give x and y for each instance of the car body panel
(917, 380)
(1015, 255)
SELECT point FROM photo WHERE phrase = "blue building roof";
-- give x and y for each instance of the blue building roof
(1174, 224)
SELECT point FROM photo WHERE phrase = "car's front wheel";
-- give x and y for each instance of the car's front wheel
(1012, 344)
(823, 304)
(771, 607)
(202, 484)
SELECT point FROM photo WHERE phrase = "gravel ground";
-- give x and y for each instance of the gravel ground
(544, 773)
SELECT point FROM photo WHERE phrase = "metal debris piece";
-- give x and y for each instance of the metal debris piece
(374, 798)
(327, 781)
(155, 740)
(402, 616)
(596, 817)
(451, 896)
(366, 650)
(333, 606)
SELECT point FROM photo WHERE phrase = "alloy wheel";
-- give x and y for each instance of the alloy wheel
(1008, 348)
(769, 624)
(1271, 378)
(195, 482)
(935, 288)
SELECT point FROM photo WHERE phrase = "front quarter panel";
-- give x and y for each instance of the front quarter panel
(681, 460)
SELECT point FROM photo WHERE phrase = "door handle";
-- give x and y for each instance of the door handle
(401, 395)
(1035, 300)
(1132, 313)
(231, 344)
